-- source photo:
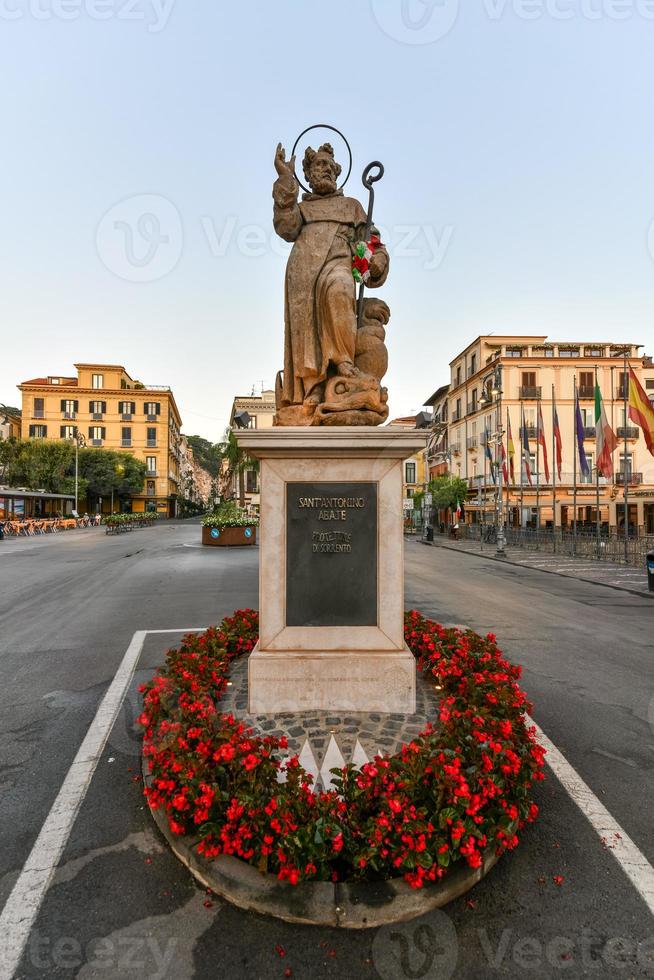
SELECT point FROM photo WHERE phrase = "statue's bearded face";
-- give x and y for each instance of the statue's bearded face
(322, 174)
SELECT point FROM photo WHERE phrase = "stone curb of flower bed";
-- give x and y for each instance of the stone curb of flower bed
(353, 905)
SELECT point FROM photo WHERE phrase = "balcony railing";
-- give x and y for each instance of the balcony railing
(70, 415)
(38, 415)
(151, 473)
(126, 443)
(472, 442)
(632, 479)
(532, 431)
(97, 416)
(472, 407)
(456, 416)
(586, 391)
(627, 432)
(126, 416)
(456, 448)
(530, 391)
(151, 443)
(589, 432)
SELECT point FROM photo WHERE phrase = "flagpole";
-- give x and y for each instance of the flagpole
(597, 491)
(574, 469)
(508, 471)
(554, 462)
(522, 462)
(538, 466)
(625, 389)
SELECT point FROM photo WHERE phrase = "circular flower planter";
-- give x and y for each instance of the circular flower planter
(229, 537)
(405, 833)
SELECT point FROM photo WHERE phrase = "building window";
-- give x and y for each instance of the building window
(649, 384)
(409, 472)
(38, 431)
(251, 481)
(127, 409)
(69, 408)
(152, 437)
(151, 464)
(252, 424)
(626, 463)
(594, 352)
(97, 409)
(96, 434)
(152, 409)
(588, 477)
(458, 376)
(68, 431)
(97, 380)
(38, 408)
(126, 438)
(473, 364)
(568, 352)
(513, 352)
(150, 488)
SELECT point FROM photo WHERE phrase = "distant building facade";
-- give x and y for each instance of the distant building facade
(533, 371)
(112, 411)
(261, 410)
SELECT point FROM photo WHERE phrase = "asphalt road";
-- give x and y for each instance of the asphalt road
(121, 906)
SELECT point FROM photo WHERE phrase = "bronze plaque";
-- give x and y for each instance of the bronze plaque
(331, 554)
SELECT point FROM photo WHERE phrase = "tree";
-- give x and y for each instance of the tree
(42, 464)
(206, 454)
(105, 471)
(447, 491)
(237, 462)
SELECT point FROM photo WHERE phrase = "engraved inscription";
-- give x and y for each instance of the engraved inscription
(331, 554)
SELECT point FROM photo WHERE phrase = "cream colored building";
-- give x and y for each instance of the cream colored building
(532, 370)
(112, 411)
(261, 411)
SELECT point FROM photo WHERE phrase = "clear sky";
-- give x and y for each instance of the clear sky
(518, 197)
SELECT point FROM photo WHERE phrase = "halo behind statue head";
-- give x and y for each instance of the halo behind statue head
(333, 130)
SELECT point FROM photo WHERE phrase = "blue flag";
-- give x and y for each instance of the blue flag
(489, 454)
(583, 461)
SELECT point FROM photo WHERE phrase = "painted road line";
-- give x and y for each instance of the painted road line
(630, 858)
(25, 900)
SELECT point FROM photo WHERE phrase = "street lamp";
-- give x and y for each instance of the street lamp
(80, 442)
(492, 388)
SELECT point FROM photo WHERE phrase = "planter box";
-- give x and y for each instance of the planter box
(229, 537)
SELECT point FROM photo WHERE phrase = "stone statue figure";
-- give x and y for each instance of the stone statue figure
(333, 366)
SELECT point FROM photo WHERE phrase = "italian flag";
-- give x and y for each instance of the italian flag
(640, 409)
(605, 438)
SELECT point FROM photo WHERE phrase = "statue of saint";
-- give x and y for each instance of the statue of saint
(330, 366)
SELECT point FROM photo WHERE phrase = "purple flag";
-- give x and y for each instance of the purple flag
(583, 462)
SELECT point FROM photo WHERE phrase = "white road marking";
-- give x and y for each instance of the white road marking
(25, 900)
(630, 858)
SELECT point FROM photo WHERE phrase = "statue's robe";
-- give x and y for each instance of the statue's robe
(320, 291)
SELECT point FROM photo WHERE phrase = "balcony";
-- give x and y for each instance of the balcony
(97, 416)
(472, 443)
(622, 392)
(125, 416)
(530, 392)
(38, 415)
(627, 432)
(151, 418)
(532, 431)
(633, 479)
(472, 407)
(589, 432)
(456, 448)
(586, 391)
(96, 442)
(151, 473)
(70, 415)
(126, 443)
(151, 443)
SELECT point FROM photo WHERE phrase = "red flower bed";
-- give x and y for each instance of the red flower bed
(462, 785)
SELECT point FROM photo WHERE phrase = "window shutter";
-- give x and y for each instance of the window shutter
(145, 408)
(158, 405)
(76, 403)
(133, 407)
(63, 404)
(91, 407)
(62, 431)
(104, 432)
(104, 407)
(32, 429)
(90, 432)
(45, 431)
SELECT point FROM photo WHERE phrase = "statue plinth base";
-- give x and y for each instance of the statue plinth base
(331, 574)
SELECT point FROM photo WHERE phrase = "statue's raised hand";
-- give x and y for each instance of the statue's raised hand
(284, 167)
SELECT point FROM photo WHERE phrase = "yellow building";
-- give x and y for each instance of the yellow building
(112, 411)
(533, 370)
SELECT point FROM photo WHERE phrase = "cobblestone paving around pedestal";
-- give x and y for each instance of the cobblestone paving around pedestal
(375, 732)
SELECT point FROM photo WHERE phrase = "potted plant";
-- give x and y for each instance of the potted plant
(229, 526)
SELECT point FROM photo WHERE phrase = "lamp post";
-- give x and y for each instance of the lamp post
(493, 381)
(80, 442)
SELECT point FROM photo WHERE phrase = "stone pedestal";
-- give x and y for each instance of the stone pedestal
(331, 570)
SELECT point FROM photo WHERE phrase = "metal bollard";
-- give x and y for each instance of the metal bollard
(650, 570)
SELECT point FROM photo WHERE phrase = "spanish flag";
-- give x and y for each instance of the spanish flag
(640, 409)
